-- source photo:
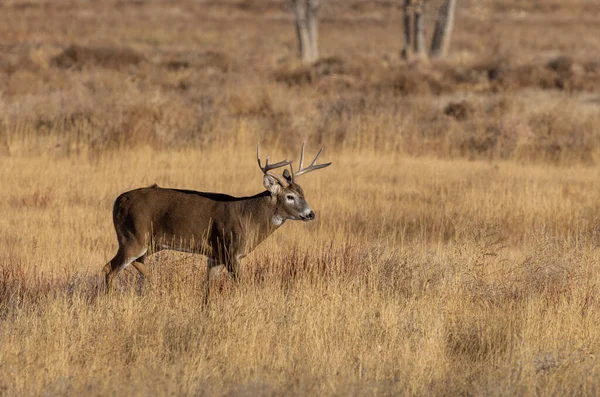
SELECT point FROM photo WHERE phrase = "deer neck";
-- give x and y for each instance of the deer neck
(263, 209)
(268, 210)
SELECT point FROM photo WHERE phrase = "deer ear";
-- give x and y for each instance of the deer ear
(271, 184)
(287, 176)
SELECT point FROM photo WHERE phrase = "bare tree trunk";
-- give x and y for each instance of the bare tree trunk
(307, 25)
(443, 29)
(302, 35)
(406, 51)
(312, 13)
(419, 31)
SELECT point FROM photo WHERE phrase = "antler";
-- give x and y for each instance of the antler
(312, 167)
(268, 167)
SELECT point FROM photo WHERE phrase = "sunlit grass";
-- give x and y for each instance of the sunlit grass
(419, 276)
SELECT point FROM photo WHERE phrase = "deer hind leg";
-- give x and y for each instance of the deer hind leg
(123, 258)
(141, 266)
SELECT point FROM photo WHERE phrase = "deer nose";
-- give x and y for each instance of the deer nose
(310, 216)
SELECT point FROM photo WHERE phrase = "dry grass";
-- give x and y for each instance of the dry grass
(455, 246)
(419, 277)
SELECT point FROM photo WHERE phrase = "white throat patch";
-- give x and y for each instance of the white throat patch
(277, 220)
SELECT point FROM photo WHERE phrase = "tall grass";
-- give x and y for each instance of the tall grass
(419, 276)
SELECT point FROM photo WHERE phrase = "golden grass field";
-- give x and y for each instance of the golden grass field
(455, 249)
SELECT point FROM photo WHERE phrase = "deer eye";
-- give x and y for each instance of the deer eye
(289, 197)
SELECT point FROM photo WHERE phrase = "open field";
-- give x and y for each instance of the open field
(455, 250)
(419, 276)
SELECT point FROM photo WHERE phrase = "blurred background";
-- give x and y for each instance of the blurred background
(503, 79)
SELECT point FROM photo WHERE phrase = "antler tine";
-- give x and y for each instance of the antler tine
(313, 165)
(316, 157)
(258, 155)
(277, 165)
(301, 157)
(268, 167)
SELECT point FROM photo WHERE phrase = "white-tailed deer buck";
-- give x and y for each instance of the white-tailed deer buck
(219, 226)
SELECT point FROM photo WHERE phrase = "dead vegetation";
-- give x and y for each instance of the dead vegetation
(333, 102)
(76, 57)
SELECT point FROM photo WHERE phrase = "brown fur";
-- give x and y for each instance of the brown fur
(219, 226)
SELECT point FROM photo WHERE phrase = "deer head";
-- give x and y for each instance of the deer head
(286, 193)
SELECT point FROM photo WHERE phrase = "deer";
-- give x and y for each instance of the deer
(221, 227)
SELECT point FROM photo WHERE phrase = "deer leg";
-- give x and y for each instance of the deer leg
(123, 258)
(214, 269)
(234, 266)
(140, 266)
(110, 269)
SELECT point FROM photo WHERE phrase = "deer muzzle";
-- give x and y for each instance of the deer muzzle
(307, 216)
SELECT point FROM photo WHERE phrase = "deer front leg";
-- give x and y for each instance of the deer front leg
(214, 269)
(235, 266)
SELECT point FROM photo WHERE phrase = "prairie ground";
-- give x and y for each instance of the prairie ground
(455, 246)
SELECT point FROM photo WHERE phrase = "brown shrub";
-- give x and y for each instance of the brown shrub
(409, 82)
(459, 110)
(178, 64)
(295, 76)
(331, 66)
(591, 67)
(483, 141)
(77, 57)
(415, 81)
(462, 75)
(310, 74)
(216, 60)
(562, 65)
(526, 76)
(560, 73)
